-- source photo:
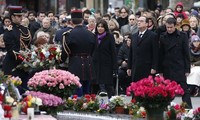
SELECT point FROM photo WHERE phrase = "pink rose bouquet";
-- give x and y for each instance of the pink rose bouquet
(47, 99)
(50, 103)
(154, 92)
(58, 82)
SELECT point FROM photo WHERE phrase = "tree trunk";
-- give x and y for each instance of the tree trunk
(187, 4)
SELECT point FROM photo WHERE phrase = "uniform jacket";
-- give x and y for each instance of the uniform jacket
(105, 60)
(174, 55)
(143, 55)
(81, 43)
(13, 45)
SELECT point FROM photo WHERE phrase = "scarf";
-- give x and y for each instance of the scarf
(101, 36)
(195, 52)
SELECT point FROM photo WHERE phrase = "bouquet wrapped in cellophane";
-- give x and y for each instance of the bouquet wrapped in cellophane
(38, 58)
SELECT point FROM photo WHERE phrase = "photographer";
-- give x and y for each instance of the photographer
(122, 57)
(118, 40)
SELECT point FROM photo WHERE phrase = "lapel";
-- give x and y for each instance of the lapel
(140, 40)
(129, 27)
(173, 42)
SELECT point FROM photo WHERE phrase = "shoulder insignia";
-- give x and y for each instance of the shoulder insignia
(10, 27)
(66, 32)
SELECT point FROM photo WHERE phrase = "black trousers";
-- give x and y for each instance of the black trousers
(186, 96)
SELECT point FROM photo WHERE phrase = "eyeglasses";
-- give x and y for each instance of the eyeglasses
(131, 19)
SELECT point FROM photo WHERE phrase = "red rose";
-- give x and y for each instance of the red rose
(52, 49)
(93, 96)
(42, 56)
(169, 113)
(75, 96)
(7, 107)
(133, 100)
(20, 57)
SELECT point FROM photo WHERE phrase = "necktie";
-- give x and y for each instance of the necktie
(140, 35)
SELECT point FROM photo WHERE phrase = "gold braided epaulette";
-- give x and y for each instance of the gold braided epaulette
(68, 31)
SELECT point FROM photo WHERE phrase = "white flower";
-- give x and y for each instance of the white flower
(9, 100)
(46, 54)
(190, 114)
(33, 55)
(36, 101)
(85, 105)
(41, 64)
(58, 50)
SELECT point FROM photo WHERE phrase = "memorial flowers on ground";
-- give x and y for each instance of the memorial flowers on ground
(154, 92)
(54, 81)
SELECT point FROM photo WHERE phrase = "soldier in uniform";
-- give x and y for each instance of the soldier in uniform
(78, 46)
(16, 38)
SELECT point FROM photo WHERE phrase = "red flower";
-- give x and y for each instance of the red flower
(52, 49)
(93, 96)
(42, 56)
(51, 56)
(20, 57)
(8, 115)
(7, 107)
(143, 114)
(169, 113)
(75, 96)
(133, 100)
(1, 97)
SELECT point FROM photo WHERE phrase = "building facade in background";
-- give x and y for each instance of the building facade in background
(59, 5)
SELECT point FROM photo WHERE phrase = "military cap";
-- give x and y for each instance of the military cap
(15, 10)
(76, 14)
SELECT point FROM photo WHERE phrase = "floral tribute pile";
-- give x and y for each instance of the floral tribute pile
(49, 101)
(154, 92)
(54, 81)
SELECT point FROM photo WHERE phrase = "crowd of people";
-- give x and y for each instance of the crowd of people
(102, 48)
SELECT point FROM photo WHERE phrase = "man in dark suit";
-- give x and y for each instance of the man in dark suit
(78, 47)
(143, 55)
(16, 38)
(174, 57)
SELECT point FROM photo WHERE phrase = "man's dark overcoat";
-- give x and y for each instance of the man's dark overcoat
(143, 55)
(174, 56)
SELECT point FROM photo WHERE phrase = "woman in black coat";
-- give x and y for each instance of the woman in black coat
(105, 59)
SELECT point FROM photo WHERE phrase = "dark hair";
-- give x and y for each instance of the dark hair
(32, 12)
(171, 21)
(87, 12)
(107, 15)
(49, 12)
(5, 19)
(41, 12)
(105, 25)
(116, 8)
(124, 7)
(98, 11)
(180, 15)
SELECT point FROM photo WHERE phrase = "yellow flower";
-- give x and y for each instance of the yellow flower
(29, 103)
